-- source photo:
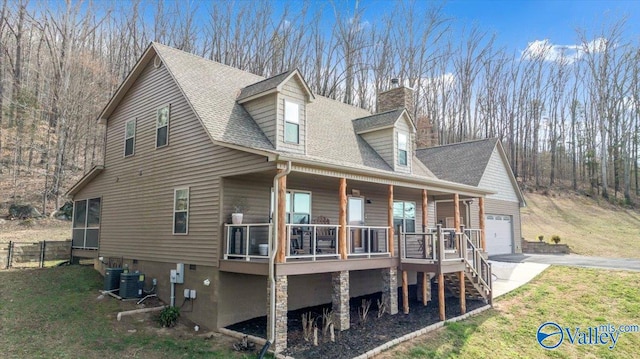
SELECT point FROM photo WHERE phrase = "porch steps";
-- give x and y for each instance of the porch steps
(473, 288)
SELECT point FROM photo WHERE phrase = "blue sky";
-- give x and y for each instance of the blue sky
(519, 22)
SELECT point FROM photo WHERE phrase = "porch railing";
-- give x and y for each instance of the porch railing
(367, 241)
(247, 241)
(312, 241)
(473, 235)
(305, 241)
(418, 245)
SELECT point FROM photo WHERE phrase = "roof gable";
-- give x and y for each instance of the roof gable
(462, 162)
(273, 84)
(466, 162)
(382, 120)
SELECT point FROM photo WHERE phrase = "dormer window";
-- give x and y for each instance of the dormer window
(291, 122)
(402, 149)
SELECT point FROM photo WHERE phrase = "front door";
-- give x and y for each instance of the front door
(355, 217)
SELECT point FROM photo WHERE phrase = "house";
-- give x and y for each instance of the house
(338, 204)
(481, 163)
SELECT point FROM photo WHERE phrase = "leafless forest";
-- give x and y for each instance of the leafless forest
(565, 115)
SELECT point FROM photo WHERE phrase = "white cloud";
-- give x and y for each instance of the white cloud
(544, 49)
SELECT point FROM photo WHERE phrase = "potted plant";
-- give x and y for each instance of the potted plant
(239, 206)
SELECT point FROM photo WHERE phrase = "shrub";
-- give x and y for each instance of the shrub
(555, 239)
(169, 316)
(541, 238)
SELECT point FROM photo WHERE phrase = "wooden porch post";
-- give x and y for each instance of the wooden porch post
(483, 242)
(425, 279)
(425, 217)
(441, 295)
(463, 296)
(342, 231)
(405, 292)
(390, 218)
(456, 212)
(456, 218)
(282, 219)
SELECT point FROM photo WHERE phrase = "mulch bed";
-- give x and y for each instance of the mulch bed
(362, 336)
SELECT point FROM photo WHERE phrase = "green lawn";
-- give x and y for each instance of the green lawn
(56, 313)
(571, 297)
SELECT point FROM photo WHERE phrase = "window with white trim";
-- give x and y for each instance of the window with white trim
(298, 206)
(181, 211)
(402, 149)
(404, 215)
(86, 223)
(162, 126)
(291, 122)
(129, 137)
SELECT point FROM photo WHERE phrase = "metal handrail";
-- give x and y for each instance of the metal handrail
(245, 253)
(478, 263)
(368, 253)
(313, 238)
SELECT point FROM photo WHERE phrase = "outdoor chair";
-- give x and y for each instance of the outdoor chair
(324, 233)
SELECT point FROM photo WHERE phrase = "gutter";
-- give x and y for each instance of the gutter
(272, 257)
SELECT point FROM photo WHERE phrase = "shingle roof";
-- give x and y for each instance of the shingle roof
(201, 81)
(463, 162)
(330, 134)
(376, 121)
(263, 86)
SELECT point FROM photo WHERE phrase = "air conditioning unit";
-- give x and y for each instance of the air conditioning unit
(131, 285)
(112, 278)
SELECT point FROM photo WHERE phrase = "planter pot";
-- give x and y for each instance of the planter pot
(263, 249)
(236, 218)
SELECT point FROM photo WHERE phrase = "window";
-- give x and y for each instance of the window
(402, 149)
(404, 215)
(291, 122)
(86, 223)
(129, 137)
(181, 211)
(298, 206)
(162, 127)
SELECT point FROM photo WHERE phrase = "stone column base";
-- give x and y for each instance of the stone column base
(280, 336)
(340, 299)
(390, 289)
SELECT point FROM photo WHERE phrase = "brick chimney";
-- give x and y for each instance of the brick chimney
(398, 96)
(426, 134)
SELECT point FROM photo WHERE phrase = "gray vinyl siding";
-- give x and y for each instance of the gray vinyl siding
(137, 192)
(382, 141)
(497, 179)
(324, 198)
(494, 206)
(293, 91)
(403, 127)
(263, 111)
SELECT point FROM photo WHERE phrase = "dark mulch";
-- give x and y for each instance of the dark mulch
(362, 336)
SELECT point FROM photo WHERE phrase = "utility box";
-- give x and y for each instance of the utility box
(112, 278)
(131, 285)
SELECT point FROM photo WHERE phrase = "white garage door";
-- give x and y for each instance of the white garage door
(498, 234)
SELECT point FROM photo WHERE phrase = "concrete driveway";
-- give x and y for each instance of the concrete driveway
(572, 260)
(508, 276)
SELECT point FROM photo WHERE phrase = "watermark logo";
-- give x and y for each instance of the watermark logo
(550, 335)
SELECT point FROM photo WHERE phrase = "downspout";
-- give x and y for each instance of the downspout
(272, 257)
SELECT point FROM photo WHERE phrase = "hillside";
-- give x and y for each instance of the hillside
(589, 227)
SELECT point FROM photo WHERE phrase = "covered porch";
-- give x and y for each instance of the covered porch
(325, 217)
(334, 226)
